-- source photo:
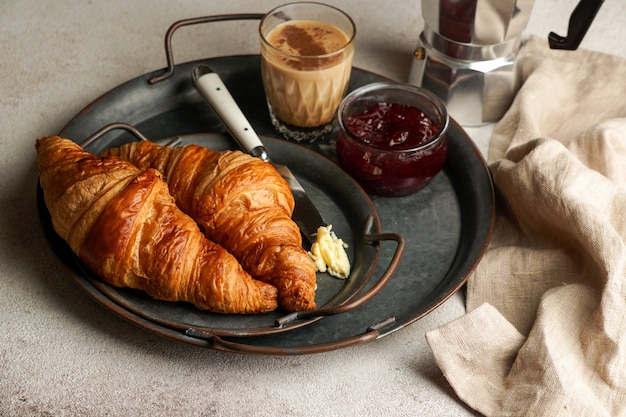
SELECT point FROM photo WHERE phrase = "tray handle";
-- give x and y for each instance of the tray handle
(220, 343)
(169, 71)
(122, 126)
(108, 128)
(366, 296)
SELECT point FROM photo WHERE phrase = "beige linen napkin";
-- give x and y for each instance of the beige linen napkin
(545, 332)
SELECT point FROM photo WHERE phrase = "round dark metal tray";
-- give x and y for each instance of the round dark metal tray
(446, 226)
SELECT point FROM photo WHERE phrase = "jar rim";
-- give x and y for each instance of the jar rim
(391, 85)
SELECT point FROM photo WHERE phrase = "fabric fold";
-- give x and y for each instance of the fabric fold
(476, 351)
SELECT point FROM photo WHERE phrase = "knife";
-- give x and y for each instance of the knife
(213, 89)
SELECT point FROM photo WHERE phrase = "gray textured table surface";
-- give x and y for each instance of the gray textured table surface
(63, 355)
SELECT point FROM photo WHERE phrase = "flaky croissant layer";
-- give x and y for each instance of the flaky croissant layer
(243, 204)
(124, 224)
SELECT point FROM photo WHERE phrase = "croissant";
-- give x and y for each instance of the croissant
(123, 223)
(243, 204)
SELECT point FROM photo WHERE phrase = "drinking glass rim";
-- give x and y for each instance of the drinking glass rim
(328, 55)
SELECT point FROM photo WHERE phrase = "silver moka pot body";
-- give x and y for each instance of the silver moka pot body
(466, 54)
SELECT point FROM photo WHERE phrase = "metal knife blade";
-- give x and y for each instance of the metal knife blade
(214, 91)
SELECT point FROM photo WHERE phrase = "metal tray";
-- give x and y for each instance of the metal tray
(446, 226)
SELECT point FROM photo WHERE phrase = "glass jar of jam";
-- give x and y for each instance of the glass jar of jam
(392, 137)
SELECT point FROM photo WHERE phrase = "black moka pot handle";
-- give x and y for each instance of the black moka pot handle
(579, 23)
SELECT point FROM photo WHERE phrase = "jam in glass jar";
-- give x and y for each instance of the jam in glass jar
(392, 137)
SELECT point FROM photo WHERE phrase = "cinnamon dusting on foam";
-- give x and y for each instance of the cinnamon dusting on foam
(307, 38)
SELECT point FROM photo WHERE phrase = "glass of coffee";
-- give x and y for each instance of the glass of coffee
(306, 60)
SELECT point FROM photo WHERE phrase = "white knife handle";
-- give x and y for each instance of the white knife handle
(213, 89)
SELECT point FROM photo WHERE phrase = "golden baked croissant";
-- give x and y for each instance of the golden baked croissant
(123, 223)
(243, 204)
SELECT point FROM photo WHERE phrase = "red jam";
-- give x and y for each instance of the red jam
(391, 126)
(380, 152)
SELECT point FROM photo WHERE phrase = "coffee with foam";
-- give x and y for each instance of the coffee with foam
(305, 67)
